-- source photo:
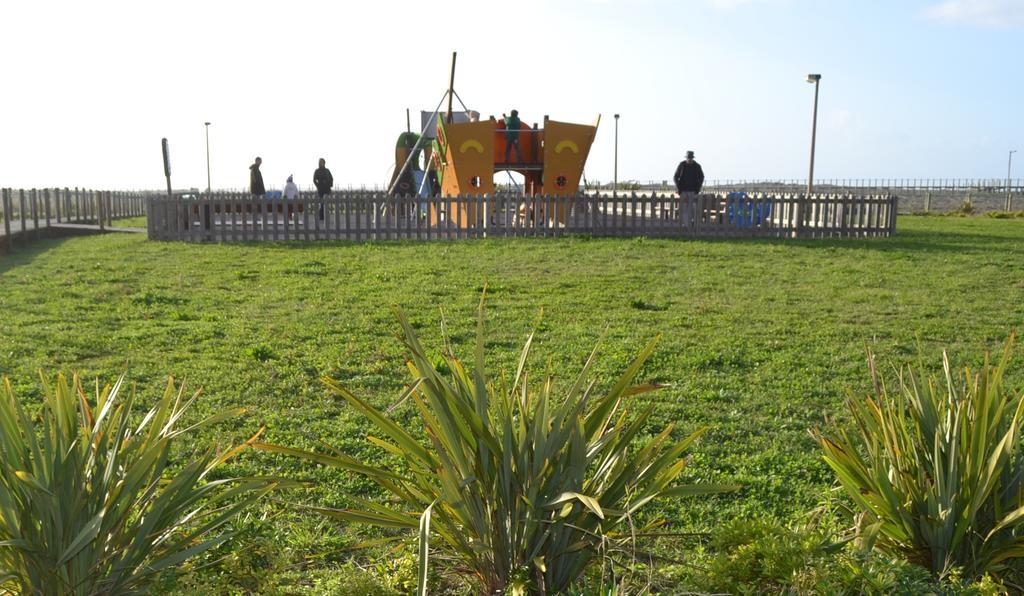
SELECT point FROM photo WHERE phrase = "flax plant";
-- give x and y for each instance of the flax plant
(89, 502)
(522, 487)
(936, 469)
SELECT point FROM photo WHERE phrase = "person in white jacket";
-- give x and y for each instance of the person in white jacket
(290, 190)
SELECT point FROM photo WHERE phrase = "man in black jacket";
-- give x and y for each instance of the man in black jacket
(256, 179)
(323, 181)
(689, 176)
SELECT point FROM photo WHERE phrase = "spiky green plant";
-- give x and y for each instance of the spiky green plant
(89, 503)
(936, 469)
(523, 488)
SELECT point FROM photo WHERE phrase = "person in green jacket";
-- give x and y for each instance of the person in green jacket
(512, 126)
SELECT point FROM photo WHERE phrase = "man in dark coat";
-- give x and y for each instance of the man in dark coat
(323, 181)
(256, 179)
(689, 175)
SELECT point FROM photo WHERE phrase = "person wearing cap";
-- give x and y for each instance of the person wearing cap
(512, 126)
(689, 176)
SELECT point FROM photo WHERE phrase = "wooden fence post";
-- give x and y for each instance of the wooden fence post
(35, 213)
(801, 208)
(150, 223)
(46, 205)
(894, 200)
(99, 209)
(5, 196)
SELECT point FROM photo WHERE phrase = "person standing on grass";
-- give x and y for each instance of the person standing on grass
(512, 126)
(323, 181)
(689, 176)
(689, 179)
(256, 179)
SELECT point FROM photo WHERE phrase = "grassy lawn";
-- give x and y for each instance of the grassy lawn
(762, 340)
(130, 222)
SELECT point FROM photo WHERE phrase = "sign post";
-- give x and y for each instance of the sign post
(167, 165)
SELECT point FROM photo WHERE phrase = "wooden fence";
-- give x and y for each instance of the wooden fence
(364, 216)
(28, 213)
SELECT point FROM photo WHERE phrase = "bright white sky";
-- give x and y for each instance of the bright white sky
(916, 88)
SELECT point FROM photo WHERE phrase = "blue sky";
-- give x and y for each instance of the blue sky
(917, 88)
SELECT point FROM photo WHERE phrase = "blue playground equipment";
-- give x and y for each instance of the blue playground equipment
(746, 214)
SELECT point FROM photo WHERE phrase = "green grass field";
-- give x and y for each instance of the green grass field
(762, 340)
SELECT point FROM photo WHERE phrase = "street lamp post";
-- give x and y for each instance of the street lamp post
(1009, 191)
(816, 79)
(615, 179)
(207, 157)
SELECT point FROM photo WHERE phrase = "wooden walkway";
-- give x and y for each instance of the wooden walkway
(30, 233)
(16, 228)
(29, 214)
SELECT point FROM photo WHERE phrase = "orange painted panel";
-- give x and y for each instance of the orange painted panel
(468, 170)
(566, 148)
(470, 159)
(530, 142)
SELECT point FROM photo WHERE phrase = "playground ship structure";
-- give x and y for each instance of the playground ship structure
(457, 155)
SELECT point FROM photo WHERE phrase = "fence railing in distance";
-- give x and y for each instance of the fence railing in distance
(361, 216)
(826, 185)
(917, 195)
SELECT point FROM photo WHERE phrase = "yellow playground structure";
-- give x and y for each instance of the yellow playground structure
(462, 153)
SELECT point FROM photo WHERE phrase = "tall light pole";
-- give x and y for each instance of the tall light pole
(615, 180)
(207, 157)
(816, 79)
(1009, 193)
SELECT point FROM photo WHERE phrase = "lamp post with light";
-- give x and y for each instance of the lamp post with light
(1009, 189)
(615, 179)
(816, 79)
(207, 157)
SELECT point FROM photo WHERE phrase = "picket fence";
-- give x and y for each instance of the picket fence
(371, 216)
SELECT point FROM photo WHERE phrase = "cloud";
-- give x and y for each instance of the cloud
(1001, 14)
(842, 121)
(731, 4)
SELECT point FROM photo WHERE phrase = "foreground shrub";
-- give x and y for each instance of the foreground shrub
(1005, 214)
(522, 487)
(936, 469)
(765, 556)
(87, 501)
